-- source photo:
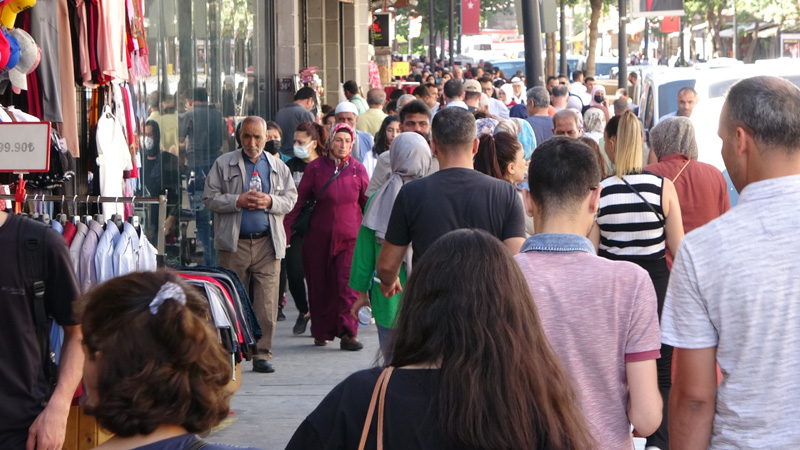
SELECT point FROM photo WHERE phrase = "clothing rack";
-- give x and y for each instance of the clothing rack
(161, 201)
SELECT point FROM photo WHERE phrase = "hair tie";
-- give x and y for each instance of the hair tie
(168, 290)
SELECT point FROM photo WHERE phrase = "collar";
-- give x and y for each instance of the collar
(773, 187)
(674, 157)
(557, 243)
(263, 157)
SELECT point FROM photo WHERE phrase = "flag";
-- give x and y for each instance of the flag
(670, 24)
(470, 16)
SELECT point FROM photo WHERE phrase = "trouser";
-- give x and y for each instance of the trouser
(295, 275)
(385, 342)
(203, 218)
(255, 264)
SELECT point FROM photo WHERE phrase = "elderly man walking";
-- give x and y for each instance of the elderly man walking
(248, 224)
(733, 293)
(371, 121)
(701, 187)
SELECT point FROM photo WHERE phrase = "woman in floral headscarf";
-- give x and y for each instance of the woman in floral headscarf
(329, 245)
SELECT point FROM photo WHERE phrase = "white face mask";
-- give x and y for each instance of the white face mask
(148, 142)
(302, 151)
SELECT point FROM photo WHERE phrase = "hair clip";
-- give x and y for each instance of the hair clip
(168, 290)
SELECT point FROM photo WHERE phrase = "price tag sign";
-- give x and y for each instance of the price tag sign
(24, 146)
(400, 68)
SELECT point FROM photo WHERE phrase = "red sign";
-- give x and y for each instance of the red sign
(671, 24)
(470, 16)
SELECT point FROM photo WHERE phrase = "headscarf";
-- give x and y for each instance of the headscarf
(594, 121)
(410, 158)
(595, 89)
(486, 125)
(674, 135)
(524, 133)
(342, 127)
(509, 91)
(156, 149)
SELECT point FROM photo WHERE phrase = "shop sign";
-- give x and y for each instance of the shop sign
(24, 147)
(401, 68)
(380, 30)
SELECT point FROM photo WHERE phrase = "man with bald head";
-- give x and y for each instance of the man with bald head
(248, 224)
(733, 290)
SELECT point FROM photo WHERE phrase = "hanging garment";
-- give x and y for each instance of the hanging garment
(66, 71)
(87, 269)
(147, 255)
(104, 255)
(76, 246)
(44, 30)
(125, 257)
(113, 159)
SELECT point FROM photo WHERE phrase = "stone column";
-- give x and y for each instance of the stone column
(356, 19)
(333, 62)
(287, 54)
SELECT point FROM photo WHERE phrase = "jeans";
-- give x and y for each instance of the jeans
(204, 218)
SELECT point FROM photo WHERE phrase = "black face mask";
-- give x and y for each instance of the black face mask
(599, 98)
(273, 146)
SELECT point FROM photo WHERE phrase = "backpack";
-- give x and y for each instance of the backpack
(32, 249)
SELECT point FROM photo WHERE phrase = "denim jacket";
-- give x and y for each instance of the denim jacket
(557, 243)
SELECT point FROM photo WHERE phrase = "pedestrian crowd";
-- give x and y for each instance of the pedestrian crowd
(538, 277)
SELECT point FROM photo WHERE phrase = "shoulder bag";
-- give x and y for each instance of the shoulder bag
(378, 395)
(658, 216)
(302, 224)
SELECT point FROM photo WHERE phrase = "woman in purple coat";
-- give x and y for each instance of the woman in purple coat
(329, 244)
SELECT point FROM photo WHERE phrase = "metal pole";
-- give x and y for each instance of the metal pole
(735, 31)
(432, 44)
(623, 45)
(451, 13)
(532, 30)
(562, 69)
(646, 39)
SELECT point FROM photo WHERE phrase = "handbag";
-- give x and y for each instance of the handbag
(379, 395)
(302, 224)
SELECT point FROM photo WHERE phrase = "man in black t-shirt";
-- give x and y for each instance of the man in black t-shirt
(455, 197)
(26, 416)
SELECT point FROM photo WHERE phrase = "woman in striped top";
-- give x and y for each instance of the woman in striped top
(639, 215)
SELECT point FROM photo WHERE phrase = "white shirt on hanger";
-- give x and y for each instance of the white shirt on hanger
(104, 255)
(113, 159)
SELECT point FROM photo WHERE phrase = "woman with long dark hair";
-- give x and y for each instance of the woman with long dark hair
(639, 217)
(500, 155)
(471, 366)
(390, 128)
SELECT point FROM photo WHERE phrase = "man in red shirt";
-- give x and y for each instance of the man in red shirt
(701, 187)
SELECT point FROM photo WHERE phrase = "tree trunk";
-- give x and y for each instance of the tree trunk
(774, 49)
(711, 24)
(692, 45)
(751, 49)
(597, 10)
(550, 55)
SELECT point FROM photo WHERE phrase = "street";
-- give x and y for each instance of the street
(269, 407)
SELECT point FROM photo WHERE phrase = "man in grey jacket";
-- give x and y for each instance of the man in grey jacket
(248, 224)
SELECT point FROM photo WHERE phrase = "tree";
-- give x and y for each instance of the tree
(597, 10)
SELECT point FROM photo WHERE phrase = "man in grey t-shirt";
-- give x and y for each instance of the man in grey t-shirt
(734, 289)
(293, 114)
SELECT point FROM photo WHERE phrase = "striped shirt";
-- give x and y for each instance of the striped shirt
(628, 227)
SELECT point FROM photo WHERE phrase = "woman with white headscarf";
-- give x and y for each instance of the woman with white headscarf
(410, 159)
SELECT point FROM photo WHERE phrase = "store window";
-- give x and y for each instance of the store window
(211, 64)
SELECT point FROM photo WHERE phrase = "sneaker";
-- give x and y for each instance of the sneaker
(301, 324)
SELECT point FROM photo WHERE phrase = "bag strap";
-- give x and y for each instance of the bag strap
(196, 444)
(335, 175)
(658, 216)
(681, 171)
(379, 391)
(32, 245)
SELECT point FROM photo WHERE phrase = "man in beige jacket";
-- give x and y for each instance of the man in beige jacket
(248, 224)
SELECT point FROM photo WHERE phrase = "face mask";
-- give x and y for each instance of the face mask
(598, 98)
(148, 143)
(302, 151)
(273, 146)
(149, 147)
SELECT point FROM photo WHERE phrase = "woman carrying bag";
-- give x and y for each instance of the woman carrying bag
(330, 203)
